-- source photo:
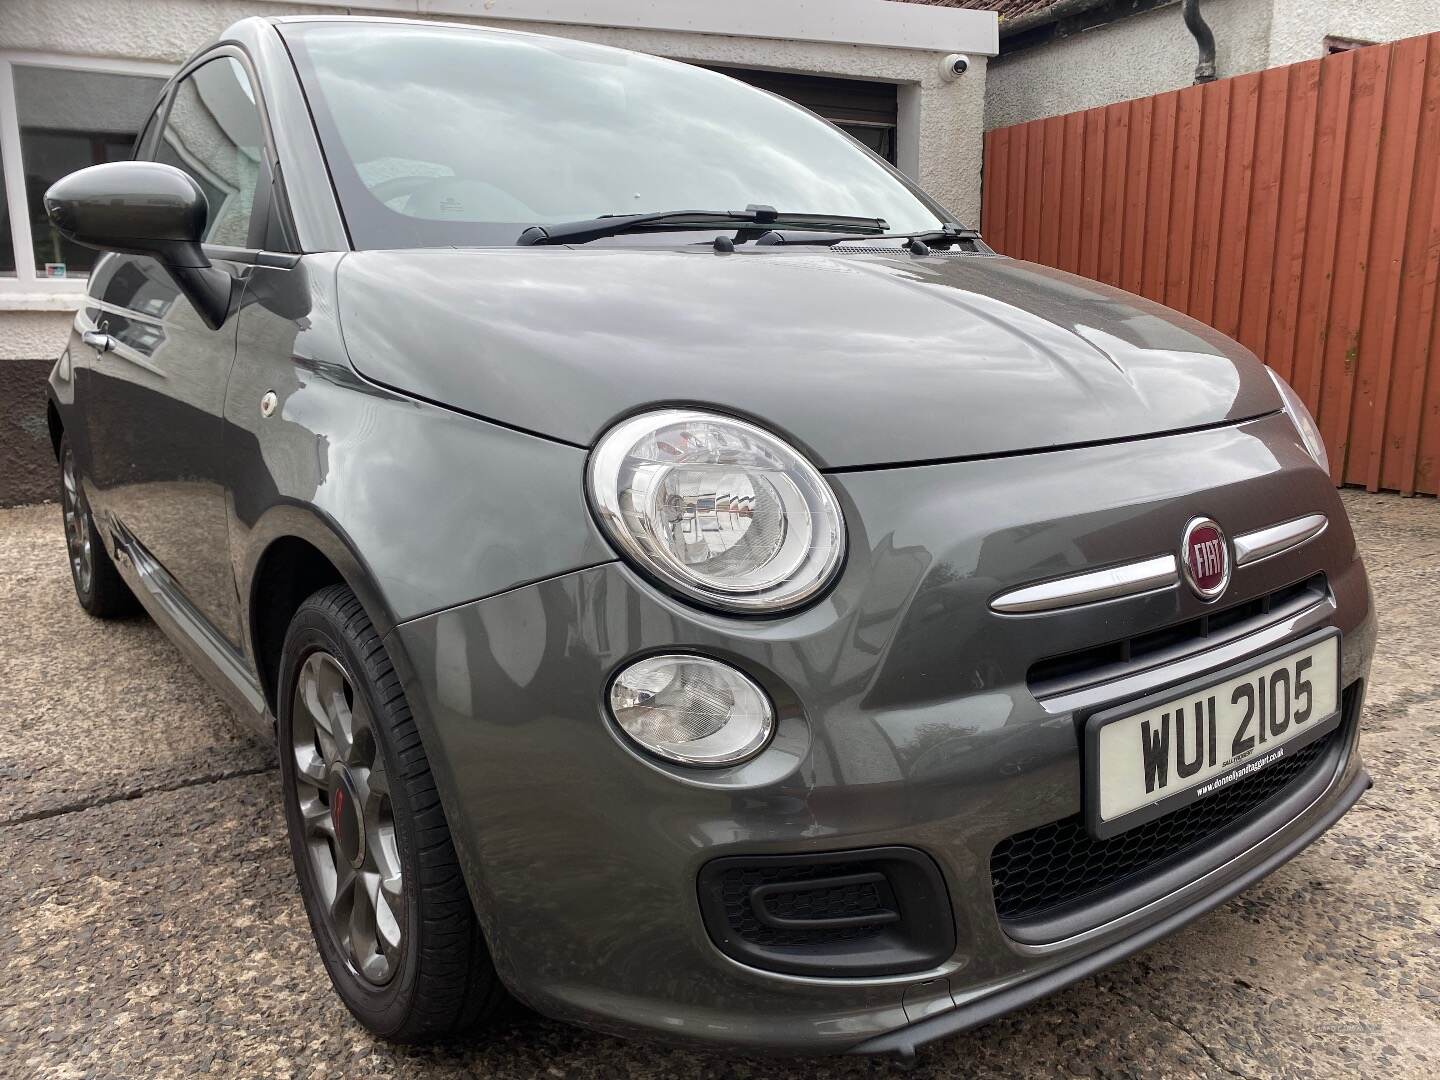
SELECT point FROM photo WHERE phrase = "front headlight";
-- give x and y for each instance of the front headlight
(1303, 421)
(717, 509)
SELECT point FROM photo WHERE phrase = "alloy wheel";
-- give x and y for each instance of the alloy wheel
(77, 525)
(343, 794)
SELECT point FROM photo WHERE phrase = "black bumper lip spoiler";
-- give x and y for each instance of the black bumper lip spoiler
(905, 1041)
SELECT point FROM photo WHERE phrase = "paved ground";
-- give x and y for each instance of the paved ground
(149, 923)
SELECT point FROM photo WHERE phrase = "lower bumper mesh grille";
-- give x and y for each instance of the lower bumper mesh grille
(1058, 864)
(846, 903)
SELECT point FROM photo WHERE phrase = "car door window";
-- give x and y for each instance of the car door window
(213, 133)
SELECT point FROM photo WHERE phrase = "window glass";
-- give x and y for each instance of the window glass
(444, 136)
(71, 119)
(213, 133)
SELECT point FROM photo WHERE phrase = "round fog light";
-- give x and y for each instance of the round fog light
(692, 710)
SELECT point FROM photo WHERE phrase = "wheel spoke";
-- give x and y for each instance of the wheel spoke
(387, 902)
(318, 822)
(331, 685)
(342, 730)
(377, 786)
(310, 767)
(342, 904)
(366, 946)
(355, 719)
(312, 691)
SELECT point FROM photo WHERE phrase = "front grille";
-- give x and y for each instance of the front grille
(1126, 656)
(1061, 863)
(875, 911)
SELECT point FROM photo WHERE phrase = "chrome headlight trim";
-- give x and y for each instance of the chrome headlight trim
(647, 480)
(658, 706)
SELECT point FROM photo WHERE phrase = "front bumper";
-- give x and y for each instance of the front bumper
(905, 718)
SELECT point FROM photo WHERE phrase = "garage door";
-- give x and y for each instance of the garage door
(866, 110)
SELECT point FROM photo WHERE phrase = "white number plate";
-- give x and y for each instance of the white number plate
(1188, 743)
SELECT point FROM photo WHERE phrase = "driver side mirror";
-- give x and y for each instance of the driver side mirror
(144, 208)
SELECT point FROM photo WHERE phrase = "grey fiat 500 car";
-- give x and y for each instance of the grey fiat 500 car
(696, 585)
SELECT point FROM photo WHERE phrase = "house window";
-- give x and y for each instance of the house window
(7, 243)
(59, 114)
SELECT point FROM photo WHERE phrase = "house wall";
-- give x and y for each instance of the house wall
(939, 140)
(1151, 53)
(1300, 26)
(1129, 58)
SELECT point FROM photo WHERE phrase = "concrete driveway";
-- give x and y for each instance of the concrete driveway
(150, 925)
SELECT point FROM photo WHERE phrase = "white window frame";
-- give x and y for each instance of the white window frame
(28, 290)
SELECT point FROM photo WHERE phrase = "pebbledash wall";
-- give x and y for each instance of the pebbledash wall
(938, 135)
(1152, 52)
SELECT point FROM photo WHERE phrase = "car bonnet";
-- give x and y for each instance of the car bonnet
(859, 358)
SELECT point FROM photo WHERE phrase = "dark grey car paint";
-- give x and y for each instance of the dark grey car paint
(904, 718)
(432, 504)
(975, 355)
(163, 479)
(904, 714)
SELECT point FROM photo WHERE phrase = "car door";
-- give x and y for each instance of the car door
(157, 381)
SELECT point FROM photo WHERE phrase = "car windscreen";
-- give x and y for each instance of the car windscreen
(448, 136)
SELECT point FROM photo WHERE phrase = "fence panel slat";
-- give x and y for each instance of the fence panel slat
(1296, 209)
(1293, 219)
(1256, 282)
(1396, 178)
(1357, 209)
(1419, 386)
(1158, 196)
(1233, 234)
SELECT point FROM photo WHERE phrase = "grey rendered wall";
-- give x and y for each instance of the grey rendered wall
(1132, 57)
(1152, 53)
(1300, 27)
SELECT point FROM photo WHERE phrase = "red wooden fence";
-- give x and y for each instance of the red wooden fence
(1296, 209)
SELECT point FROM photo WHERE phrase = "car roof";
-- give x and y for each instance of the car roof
(246, 28)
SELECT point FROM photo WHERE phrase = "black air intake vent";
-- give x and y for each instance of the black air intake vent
(879, 911)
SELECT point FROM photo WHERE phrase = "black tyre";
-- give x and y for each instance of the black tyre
(378, 872)
(98, 585)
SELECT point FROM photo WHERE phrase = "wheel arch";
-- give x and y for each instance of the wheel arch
(294, 552)
(54, 424)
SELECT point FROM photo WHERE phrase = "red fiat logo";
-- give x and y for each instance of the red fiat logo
(1206, 558)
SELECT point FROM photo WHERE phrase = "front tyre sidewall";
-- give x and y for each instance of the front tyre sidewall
(383, 1009)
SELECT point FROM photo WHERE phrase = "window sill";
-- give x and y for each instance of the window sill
(40, 301)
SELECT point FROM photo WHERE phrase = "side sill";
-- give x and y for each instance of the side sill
(162, 596)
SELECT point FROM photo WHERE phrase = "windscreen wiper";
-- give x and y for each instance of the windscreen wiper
(580, 232)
